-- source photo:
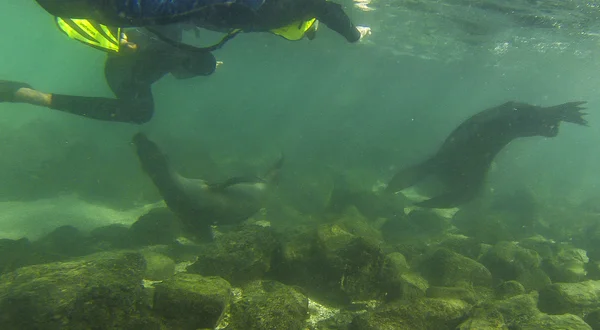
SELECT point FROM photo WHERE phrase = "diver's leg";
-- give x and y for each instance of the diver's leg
(137, 107)
(134, 102)
(332, 15)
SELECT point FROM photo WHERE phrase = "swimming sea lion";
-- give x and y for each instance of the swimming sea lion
(198, 203)
(463, 160)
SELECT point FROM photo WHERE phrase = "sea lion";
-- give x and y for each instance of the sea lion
(199, 204)
(462, 161)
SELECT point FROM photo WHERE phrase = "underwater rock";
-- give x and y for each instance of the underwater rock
(509, 289)
(405, 286)
(429, 222)
(573, 298)
(269, 305)
(556, 322)
(593, 319)
(461, 244)
(238, 256)
(158, 226)
(424, 313)
(484, 319)
(567, 265)
(354, 263)
(372, 204)
(543, 246)
(447, 268)
(62, 243)
(115, 236)
(158, 266)
(16, 254)
(418, 225)
(518, 310)
(355, 223)
(465, 294)
(103, 290)
(508, 261)
(336, 266)
(592, 269)
(189, 301)
(395, 264)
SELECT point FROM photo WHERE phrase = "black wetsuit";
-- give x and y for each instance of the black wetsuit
(131, 76)
(274, 14)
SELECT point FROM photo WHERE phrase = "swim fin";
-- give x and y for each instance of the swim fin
(9, 88)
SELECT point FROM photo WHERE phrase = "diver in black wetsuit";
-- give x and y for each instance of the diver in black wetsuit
(130, 75)
(247, 15)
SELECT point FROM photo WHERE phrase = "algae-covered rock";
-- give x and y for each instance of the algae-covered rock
(189, 301)
(447, 268)
(64, 242)
(556, 322)
(593, 319)
(481, 319)
(158, 226)
(573, 298)
(484, 319)
(567, 265)
(15, 254)
(508, 261)
(425, 313)
(269, 305)
(102, 291)
(543, 246)
(465, 294)
(407, 286)
(158, 266)
(238, 256)
(114, 236)
(354, 222)
(355, 262)
(518, 310)
(509, 289)
(467, 246)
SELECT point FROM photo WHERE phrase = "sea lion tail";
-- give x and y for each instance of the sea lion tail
(570, 112)
(152, 160)
(410, 176)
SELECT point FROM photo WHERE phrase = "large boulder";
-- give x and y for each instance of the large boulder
(424, 313)
(269, 305)
(102, 290)
(239, 256)
(447, 268)
(190, 301)
(574, 298)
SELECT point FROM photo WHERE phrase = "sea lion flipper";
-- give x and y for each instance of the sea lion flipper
(570, 112)
(409, 176)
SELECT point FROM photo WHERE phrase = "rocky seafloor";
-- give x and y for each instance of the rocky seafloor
(368, 262)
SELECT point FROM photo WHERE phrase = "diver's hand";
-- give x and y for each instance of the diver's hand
(364, 31)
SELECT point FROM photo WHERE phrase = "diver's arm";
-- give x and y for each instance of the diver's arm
(332, 15)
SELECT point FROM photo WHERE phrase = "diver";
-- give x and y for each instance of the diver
(282, 17)
(140, 13)
(136, 59)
